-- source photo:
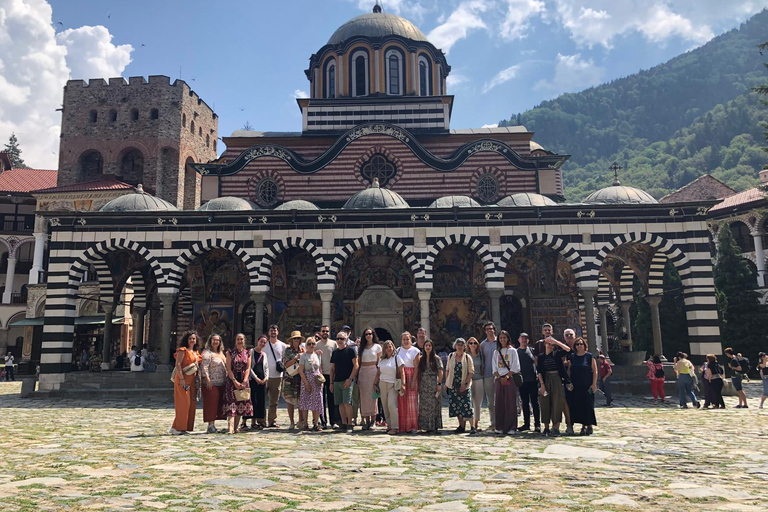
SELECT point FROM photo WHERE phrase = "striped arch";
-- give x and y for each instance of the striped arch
(366, 241)
(656, 274)
(662, 245)
(139, 290)
(265, 267)
(482, 252)
(627, 284)
(605, 293)
(176, 272)
(570, 254)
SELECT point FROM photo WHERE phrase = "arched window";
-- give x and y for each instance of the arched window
(425, 73)
(329, 83)
(441, 79)
(360, 73)
(154, 114)
(200, 132)
(112, 116)
(134, 114)
(94, 116)
(132, 167)
(207, 140)
(395, 73)
(192, 127)
(183, 120)
(91, 165)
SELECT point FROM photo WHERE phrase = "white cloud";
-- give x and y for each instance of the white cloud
(494, 125)
(455, 81)
(459, 23)
(414, 11)
(503, 76)
(572, 74)
(517, 20)
(34, 67)
(299, 94)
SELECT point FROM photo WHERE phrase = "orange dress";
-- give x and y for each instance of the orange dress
(184, 400)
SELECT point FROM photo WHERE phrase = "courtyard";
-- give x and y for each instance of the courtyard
(115, 454)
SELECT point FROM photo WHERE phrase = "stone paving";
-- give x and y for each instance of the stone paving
(63, 454)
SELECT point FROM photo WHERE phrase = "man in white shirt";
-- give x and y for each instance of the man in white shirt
(325, 348)
(487, 348)
(274, 351)
(9, 367)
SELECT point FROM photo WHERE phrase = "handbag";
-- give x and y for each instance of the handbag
(398, 382)
(292, 370)
(320, 378)
(242, 395)
(517, 378)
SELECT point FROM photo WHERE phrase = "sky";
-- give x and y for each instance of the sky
(246, 58)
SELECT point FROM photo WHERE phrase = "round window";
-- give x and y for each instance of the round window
(487, 188)
(378, 166)
(267, 191)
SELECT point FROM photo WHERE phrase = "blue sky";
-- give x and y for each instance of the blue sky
(247, 58)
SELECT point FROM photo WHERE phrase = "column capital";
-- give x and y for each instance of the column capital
(167, 298)
(602, 307)
(425, 294)
(258, 296)
(653, 300)
(326, 296)
(588, 292)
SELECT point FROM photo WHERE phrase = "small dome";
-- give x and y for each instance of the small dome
(535, 146)
(297, 204)
(620, 194)
(227, 204)
(377, 25)
(375, 197)
(526, 199)
(139, 201)
(451, 201)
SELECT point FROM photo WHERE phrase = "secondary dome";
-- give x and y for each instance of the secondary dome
(377, 25)
(451, 201)
(375, 197)
(297, 204)
(620, 194)
(526, 199)
(227, 203)
(139, 201)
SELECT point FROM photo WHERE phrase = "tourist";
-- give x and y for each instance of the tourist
(477, 382)
(136, 361)
(487, 347)
(552, 378)
(184, 373)
(237, 391)
(258, 384)
(739, 367)
(344, 369)
(84, 359)
(684, 370)
(708, 398)
(324, 349)
(529, 391)
(584, 375)
(356, 388)
(656, 377)
(762, 366)
(9, 367)
(408, 402)
(458, 381)
(429, 374)
(390, 371)
(275, 349)
(421, 338)
(604, 382)
(213, 371)
(369, 353)
(346, 330)
(714, 376)
(311, 397)
(291, 377)
(505, 365)
(569, 338)
(131, 355)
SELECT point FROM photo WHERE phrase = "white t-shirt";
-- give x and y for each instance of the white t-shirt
(135, 368)
(9, 360)
(388, 369)
(276, 351)
(327, 348)
(370, 354)
(408, 356)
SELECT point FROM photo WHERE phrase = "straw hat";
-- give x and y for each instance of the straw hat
(296, 334)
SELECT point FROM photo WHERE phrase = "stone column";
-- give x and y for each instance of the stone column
(138, 329)
(627, 324)
(326, 297)
(589, 311)
(424, 297)
(9, 277)
(258, 308)
(495, 295)
(603, 309)
(414, 80)
(106, 344)
(37, 261)
(168, 299)
(653, 301)
(759, 258)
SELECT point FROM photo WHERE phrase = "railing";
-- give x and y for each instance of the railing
(17, 226)
(18, 298)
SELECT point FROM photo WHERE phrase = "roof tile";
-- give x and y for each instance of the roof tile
(26, 180)
(101, 184)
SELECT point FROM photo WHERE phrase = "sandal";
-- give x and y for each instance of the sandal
(583, 431)
(316, 429)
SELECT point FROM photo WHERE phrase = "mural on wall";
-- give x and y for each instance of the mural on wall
(217, 277)
(211, 319)
(296, 305)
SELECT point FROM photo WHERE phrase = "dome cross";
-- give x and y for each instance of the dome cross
(616, 168)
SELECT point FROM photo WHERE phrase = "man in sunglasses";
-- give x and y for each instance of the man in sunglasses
(344, 369)
(570, 339)
(569, 336)
(324, 349)
(487, 347)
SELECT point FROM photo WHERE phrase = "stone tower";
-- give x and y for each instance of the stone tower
(137, 131)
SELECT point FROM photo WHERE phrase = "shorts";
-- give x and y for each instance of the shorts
(736, 380)
(341, 395)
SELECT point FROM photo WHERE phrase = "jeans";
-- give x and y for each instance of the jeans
(9, 373)
(330, 409)
(488, 386)
(389, 403)
(529, 394)
(685, 389)
(657, 388)
(605, 387)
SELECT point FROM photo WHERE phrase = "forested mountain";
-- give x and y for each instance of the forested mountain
(668, 125)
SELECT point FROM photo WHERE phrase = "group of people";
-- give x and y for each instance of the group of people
(331, 381)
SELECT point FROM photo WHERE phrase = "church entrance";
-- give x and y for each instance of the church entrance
(380, 308)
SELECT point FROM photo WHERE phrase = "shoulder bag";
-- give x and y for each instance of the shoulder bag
(293, 370)
(398, 381)
(278, 364)
(517, 378)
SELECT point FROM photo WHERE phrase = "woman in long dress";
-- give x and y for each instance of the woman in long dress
(429, 373)
(505, 364)
(214, 377)
(238, 375)
(458, 383)
(292, 383)
(184, 402)
(311, 397)
(408, 401)
(368, 355)
(583, 370)
(258, 383)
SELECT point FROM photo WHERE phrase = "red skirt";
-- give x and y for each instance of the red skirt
(408, 405)
(212, 399)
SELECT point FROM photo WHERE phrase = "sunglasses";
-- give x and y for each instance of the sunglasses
(325, 330)
(577, 344)
(341, 339)
(473, 343)
(311, 344)
(369, 334)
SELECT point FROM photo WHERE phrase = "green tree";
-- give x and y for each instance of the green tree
(642, 330)
(14, 152)
(743, 320)
(674, 325)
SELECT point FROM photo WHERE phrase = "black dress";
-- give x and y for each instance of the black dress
(582, 401)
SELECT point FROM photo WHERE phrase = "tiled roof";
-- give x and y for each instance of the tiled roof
(26, 180)
(748, 196)
(102, 184)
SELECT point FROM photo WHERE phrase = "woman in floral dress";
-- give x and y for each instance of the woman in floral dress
(429, 373)
(292, 384)
(238, 375)
(458, 382)
(311, 396)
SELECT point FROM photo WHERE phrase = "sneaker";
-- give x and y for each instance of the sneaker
(554, 433)
(537, 429)
(512, 432)
(524, 428)
(211, 429)
(175, 432)
(568, 430)
(546, 432)
(498, 432)
(473, 430)
(684, 406)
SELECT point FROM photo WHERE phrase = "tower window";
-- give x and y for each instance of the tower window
(330, 80)
(425, 75)
(360, 74)
(207, 141)
(134, 114)
(395, 72)
(112, 116)
(192, 127)
(154, 114)
(183, 120)
(94, 116)
(378, 167)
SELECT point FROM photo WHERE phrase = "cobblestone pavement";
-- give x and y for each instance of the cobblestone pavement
(116, 455)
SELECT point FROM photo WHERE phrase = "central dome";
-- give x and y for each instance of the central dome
(377, 25)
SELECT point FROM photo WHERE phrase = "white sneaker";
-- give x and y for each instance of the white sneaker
(211, 429)
(175, 432)
(498, 432)
(512, 432)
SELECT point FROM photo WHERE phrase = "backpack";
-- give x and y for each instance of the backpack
(744, 363)
(137, 361)
(659, 372)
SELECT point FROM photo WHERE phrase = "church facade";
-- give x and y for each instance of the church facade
(376, 214)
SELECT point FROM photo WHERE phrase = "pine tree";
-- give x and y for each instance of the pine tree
(763, 91)
(14, 152)
(743, 320)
